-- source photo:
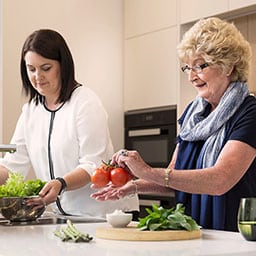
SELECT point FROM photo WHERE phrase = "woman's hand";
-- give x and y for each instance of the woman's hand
(114, 193)
(37, 203)
(48, 194)
(131, 161)
(50, 191)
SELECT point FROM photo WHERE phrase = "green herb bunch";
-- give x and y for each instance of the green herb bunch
(15, 186)
(167, 219)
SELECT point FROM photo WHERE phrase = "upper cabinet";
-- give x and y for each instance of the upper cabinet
(246, 25)
(150, 70)
(145, 16)
(190, 11)
(150, 61)
(193, 10)
(237, 4)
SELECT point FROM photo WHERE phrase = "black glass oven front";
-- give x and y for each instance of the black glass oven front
(152, 132)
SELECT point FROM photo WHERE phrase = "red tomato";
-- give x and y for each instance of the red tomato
(100, 177)
(119, 176)
(106, 166)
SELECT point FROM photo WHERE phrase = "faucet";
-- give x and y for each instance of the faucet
(11, 148)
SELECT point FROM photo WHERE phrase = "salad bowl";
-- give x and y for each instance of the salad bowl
(16, 209)
(14, 195)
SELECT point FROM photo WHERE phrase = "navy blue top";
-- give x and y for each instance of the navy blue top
(220, 212)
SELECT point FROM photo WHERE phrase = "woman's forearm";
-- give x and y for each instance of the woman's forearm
(146, 187)
(76, 179)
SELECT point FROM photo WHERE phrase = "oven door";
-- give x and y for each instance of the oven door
(154, 144)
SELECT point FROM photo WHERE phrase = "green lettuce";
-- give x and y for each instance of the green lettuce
(15, 186)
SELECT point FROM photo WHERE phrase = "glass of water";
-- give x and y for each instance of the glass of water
(247, 218)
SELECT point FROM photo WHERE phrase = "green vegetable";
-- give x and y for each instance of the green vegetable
(165, 219)
(71, 233)
(15, 186)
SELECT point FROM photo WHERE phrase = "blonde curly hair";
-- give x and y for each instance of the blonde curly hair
(220, 44)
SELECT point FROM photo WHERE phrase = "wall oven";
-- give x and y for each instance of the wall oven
(152, 132)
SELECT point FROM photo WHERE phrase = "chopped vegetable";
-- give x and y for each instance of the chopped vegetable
(167, 219)
(15, 186)
(71, 233)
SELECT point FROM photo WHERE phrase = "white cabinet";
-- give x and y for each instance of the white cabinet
(150, 62)
(150, 70)
(195, 9)
(144, 16)
(236, 4)
(246, 25)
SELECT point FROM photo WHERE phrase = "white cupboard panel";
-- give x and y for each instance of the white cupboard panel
(196, 9)
(150, 71)
(143, 16)
(236, 4)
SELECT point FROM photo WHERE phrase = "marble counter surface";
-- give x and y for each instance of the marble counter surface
(39, 240)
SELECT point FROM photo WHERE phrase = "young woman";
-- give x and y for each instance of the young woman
(62, 132)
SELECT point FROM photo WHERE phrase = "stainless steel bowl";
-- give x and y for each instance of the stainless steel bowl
(16, 209)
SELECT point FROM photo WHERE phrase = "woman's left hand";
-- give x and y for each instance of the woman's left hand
(37, 202)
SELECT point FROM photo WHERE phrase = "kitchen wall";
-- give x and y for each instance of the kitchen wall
(93, 30)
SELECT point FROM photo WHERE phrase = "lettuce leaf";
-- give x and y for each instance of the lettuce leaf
(15, 186)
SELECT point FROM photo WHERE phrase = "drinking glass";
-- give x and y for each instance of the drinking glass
(247, 218)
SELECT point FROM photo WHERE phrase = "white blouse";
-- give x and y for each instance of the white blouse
(79, 139)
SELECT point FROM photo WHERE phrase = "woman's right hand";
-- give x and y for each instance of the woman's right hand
(112, 192)
(132, 162)
(50, 191)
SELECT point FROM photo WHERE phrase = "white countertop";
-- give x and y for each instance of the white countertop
(39, 240)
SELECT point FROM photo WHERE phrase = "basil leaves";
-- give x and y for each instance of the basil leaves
(167, 219)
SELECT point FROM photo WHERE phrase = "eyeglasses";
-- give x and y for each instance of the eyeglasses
(197, 68)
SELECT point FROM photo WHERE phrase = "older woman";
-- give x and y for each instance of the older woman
(214, 164)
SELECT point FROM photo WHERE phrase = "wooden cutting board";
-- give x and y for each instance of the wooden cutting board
(131, 233)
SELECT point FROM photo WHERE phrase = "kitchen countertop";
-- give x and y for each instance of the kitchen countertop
(39, 240)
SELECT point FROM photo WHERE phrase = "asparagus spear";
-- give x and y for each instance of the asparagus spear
(71, 233)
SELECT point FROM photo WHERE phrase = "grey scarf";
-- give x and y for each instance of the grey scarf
(195, 127)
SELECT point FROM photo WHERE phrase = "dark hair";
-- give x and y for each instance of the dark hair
(51, 45)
